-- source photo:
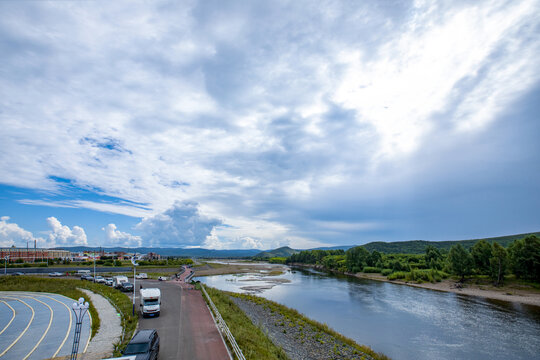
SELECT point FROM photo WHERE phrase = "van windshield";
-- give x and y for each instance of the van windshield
(151, 302)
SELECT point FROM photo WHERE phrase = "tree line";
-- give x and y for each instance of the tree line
(521, 259)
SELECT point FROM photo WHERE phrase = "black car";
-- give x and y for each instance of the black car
(126, 287)
(144, 345)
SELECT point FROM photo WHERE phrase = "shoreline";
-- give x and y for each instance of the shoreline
(521, 296)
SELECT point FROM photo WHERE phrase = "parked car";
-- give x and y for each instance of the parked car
(109, 281)
(87, 277)
(100, 279)
(144, 345)
(126, 287)
(162, 278)
(55, 274)
(18, 273)
(142, 276)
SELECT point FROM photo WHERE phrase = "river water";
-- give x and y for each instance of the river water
(400, 321)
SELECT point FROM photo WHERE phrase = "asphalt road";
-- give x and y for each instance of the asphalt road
(185, 326)
(38, 326)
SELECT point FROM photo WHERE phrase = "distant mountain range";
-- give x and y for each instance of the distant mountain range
(405, 247)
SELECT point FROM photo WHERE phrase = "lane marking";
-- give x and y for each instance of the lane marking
(27, 326)
(46, 330)
(13, 317)
(90, 333)
(69, 328)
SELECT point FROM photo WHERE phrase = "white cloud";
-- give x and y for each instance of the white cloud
(180, 225)
(201, 103)
(63, 235)
(13, 234)
(118, 238)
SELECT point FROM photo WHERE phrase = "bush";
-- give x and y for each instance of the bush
(371, 270)
(397, 275)
(386, 272)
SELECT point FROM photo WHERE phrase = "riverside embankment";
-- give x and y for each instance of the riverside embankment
(403, 322)
(511, 293)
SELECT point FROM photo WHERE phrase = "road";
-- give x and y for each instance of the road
(38, 326)
(185, 326)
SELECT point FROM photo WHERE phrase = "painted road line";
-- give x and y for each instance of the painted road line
(90, 334)
(27, 326)
(13, 317)
(46, 330)
(69, 328)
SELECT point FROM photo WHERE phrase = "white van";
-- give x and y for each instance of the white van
(150, 302)
(119, 280)
(83, 272)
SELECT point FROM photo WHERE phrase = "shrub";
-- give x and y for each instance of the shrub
(371, 269)
(386, 272)
(397, 275)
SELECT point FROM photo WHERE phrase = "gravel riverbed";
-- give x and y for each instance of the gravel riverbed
(299, 340)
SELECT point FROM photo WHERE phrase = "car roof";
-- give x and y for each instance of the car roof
(142, 336)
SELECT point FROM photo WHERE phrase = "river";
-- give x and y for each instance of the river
(400, 321)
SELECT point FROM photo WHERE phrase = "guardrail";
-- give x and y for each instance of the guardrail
(222, 326)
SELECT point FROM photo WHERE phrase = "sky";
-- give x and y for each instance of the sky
(260, 124)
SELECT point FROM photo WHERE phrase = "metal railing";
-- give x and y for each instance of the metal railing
(222, 326)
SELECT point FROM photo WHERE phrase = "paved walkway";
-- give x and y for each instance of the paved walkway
(110, 329)
(38, 326)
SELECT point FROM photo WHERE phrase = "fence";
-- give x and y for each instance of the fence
(223, 327)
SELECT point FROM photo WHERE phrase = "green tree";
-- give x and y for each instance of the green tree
(433, 257)
(525, 258)
(356, 258)
(460, 261)
(498, 263)
(481, 253)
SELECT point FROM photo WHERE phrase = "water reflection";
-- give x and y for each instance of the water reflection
(401, 321)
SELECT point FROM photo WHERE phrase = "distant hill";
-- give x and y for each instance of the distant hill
(342, 247)
(280, 252)
(195, 252)
(419, 246)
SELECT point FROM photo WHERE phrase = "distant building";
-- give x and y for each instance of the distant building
(31, 255)
(152, 256)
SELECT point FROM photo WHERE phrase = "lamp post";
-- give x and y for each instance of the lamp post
(6, 259)
(94, 257)
(79, 308)
(134, 262)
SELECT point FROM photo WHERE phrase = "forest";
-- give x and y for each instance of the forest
(521, 258)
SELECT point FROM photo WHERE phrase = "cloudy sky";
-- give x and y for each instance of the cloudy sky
(258, 124)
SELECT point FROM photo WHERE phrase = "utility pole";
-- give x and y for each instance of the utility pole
(6, 259)
(134, 262)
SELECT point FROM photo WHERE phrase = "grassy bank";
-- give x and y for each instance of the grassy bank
(296, 319)
(68, 287)
(251, 339)
(255, 343)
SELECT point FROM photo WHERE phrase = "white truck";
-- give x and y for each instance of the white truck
(118, 280)
(150, 302)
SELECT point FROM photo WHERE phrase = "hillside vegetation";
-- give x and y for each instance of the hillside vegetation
(419, 246)
(521, 258)
(281, 252)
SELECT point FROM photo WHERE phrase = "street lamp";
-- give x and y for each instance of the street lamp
(134, 262)
(79, 308)
(94, 257)
(6, 259)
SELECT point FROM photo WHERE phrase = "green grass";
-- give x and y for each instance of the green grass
(250, 338)
(68, 287)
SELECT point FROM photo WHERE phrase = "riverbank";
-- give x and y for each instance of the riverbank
(267, 330)
(511, 293)
(215, 268)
